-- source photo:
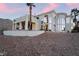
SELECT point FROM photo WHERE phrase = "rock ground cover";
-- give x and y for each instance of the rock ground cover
(47, 44)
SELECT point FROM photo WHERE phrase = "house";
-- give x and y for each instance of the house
(50, 21)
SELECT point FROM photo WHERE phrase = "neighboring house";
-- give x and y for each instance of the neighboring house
(5, 24)
(56, 22)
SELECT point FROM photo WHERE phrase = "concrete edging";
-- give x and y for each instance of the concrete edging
(22, 33)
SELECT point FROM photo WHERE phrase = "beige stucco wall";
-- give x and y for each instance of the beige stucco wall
(25, 18)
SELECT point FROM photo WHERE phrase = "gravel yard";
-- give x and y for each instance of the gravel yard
(47, 44)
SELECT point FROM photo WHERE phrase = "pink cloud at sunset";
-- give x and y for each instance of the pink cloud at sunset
(73, 5)
(50, 7)
(5, 9)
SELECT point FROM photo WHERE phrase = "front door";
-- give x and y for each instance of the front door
(23, 25)
(33, 25)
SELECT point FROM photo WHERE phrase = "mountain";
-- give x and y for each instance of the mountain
(5, 24)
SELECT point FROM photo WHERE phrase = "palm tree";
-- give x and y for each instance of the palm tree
(30, 12)
(74, 12)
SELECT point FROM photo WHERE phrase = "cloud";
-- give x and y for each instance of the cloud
(73, 5)
(50, 7)
(5, 9)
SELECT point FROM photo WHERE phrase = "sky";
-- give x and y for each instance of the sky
(15, 10)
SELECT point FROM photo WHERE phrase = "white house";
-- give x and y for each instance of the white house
(57, 22)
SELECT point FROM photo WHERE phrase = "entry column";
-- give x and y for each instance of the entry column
(20, 26)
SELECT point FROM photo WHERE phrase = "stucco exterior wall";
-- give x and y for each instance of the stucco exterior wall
(57, 22)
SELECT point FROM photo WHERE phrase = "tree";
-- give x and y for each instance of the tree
(30, 12)
(74, 12)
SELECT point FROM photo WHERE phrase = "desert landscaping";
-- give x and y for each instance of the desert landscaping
(46, 44)
(50, 33)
